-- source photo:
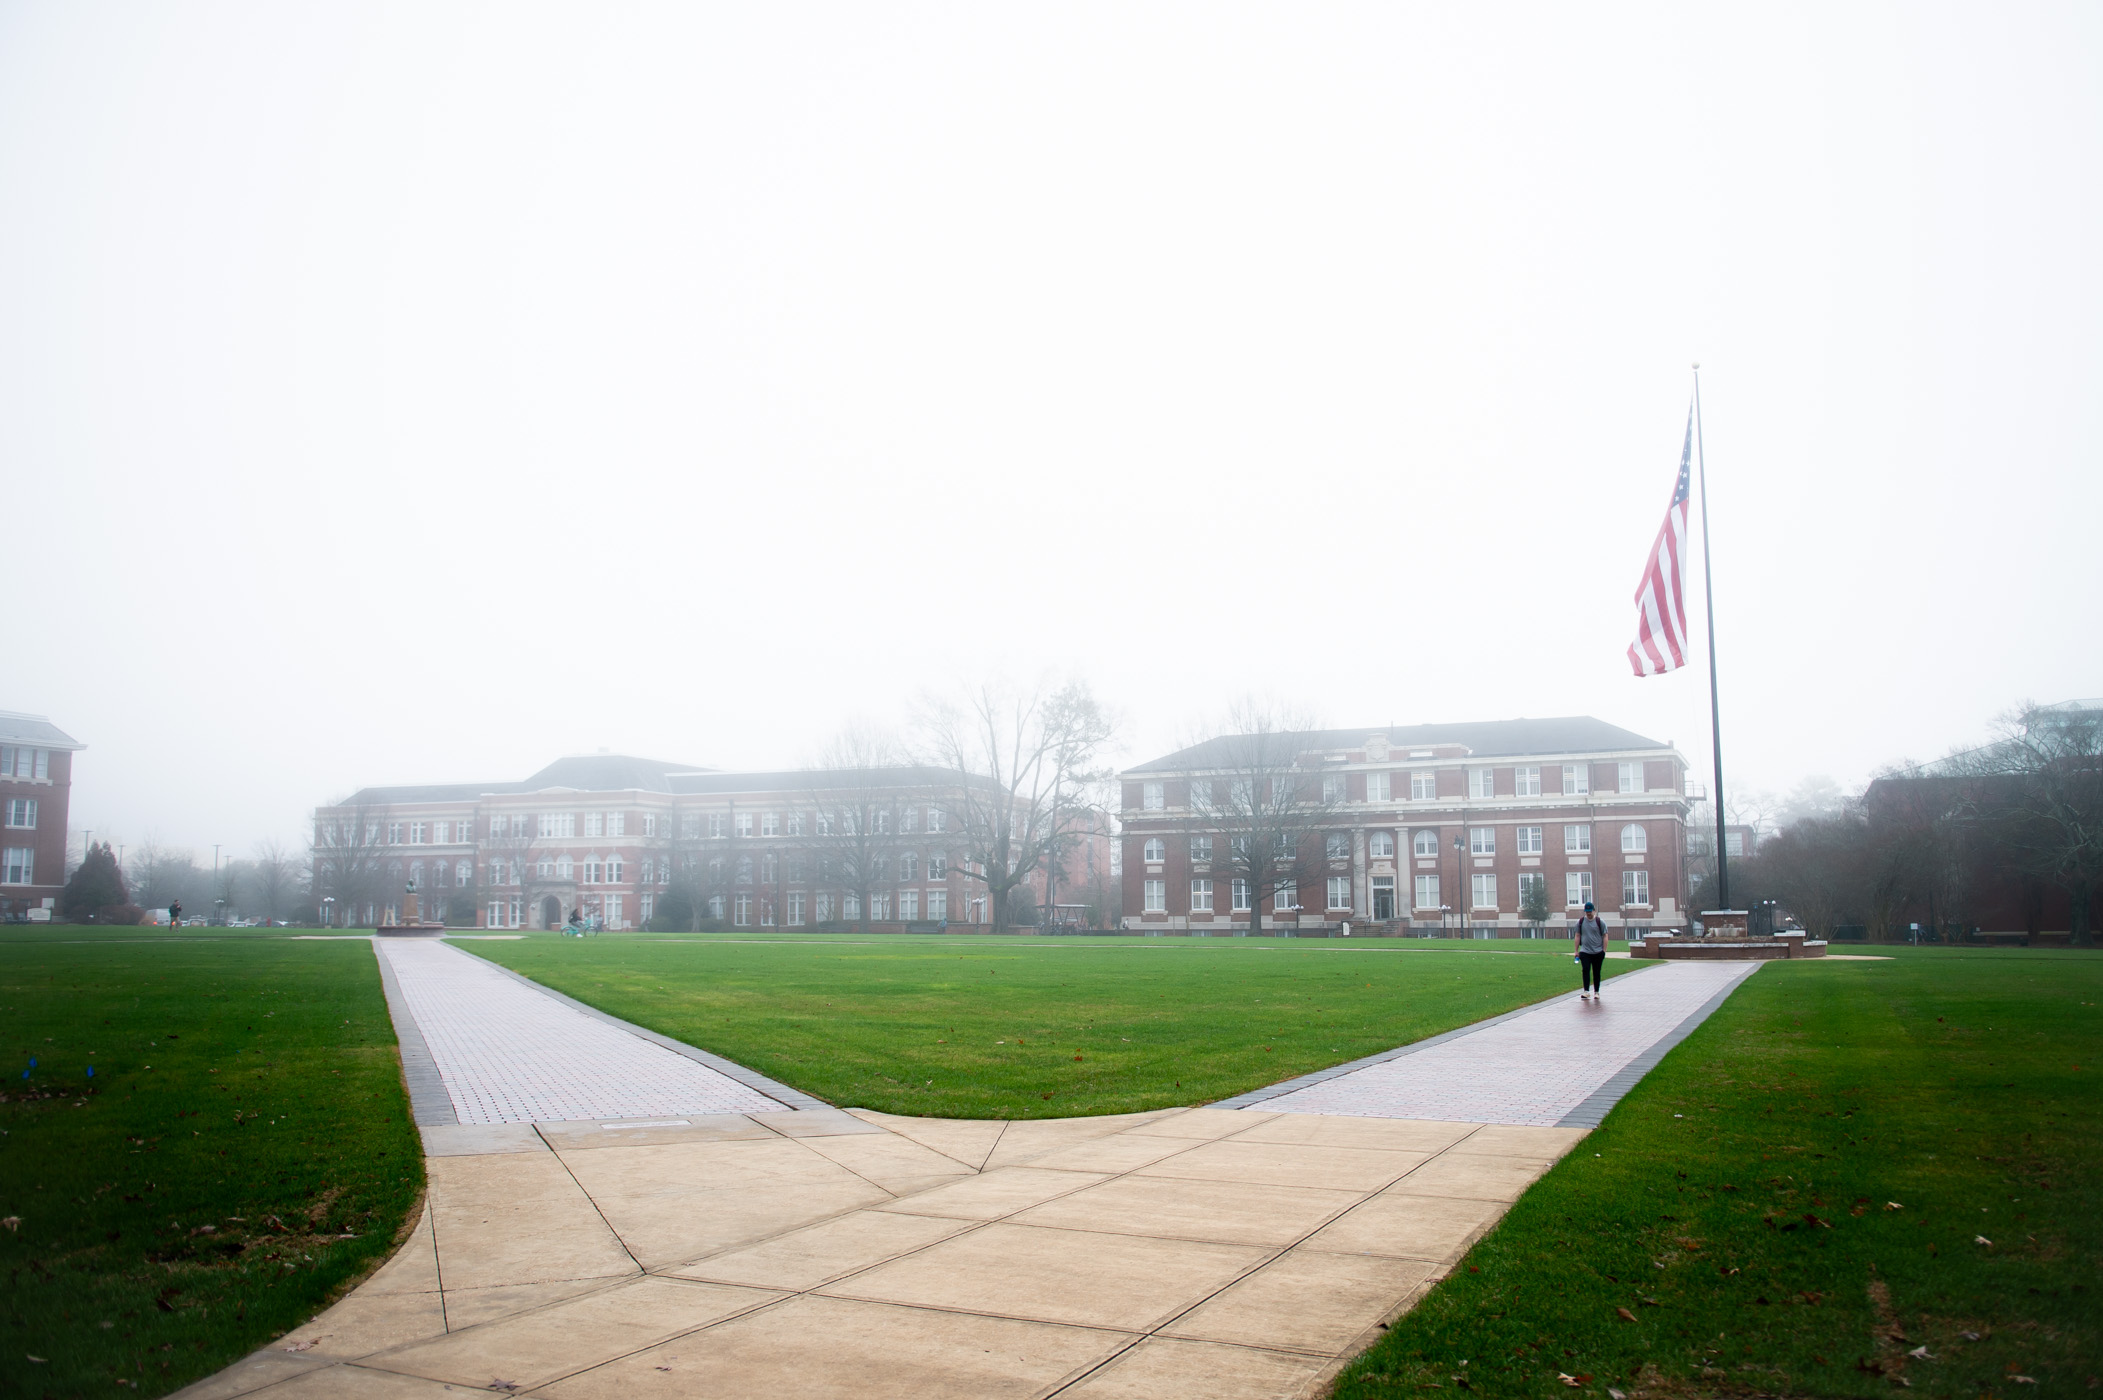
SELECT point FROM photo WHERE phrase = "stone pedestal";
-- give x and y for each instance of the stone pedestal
(1724, 938)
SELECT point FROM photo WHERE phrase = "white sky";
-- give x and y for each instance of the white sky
(418, 392)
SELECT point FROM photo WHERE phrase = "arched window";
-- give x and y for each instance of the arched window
(416, 874)
(546, 868)
(1634, 839)
(1425, 843)
(1383, 845)
(1156, 850)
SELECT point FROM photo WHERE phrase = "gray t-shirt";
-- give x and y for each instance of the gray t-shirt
(1591, 935)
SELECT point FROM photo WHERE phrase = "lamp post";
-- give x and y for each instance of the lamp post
(328, 911)
(1460, 870)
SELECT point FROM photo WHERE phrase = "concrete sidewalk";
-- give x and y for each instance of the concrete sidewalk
(614, 1214)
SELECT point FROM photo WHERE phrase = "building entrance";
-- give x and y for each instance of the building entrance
(551, 912)
(1383, 897)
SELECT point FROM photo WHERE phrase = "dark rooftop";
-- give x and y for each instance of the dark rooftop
(1495, 738)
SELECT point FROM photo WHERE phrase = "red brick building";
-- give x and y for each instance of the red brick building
(621, 838)
(36, 786)
(1424, 827)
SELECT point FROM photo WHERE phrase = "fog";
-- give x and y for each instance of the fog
(418, 392)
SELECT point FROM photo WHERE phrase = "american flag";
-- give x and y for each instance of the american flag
(1661, 598)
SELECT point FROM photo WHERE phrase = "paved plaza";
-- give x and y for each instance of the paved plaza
(644, 1248)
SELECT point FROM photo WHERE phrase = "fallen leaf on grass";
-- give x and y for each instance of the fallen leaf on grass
(1893, 1205)
(40, 1360)
(12, 1222)
(1614, 1394)
(1981, 1239)
(1921, 1353)
(2024, 1380)
(1969, 1336)
(300, 1346)
(1624, 1314)
(1572, 1381)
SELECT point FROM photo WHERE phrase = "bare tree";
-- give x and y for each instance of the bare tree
(273, 879)
(1022, 764)
(345, 857)
(508, 859)
(2038, 790)
(1254, 789)
(854, 810)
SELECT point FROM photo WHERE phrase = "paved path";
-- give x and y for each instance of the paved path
(506, 1051)
(1565, 1062)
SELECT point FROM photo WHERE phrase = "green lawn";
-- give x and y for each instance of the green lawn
(242, 1151)
(1848, 1162)
(1039, 1028)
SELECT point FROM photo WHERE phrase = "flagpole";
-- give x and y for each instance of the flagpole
(1708, 588)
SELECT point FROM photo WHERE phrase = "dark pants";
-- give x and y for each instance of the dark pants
(1589, 966)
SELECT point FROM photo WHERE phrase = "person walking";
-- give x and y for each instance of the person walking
(175, 913)
(1590, 937)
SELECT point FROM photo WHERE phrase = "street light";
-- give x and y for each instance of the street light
(328, 911)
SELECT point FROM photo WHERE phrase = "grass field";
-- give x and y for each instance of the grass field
(1855, 1178)
(242, 1150)
(1039, 1028)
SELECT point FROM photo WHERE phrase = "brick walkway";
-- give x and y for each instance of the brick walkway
(1561, 1063)
(506, 1052)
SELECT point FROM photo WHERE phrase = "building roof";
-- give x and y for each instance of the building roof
(578, 773)
(1495, 738)
(619, 773)
(813, 779)
(18, 728)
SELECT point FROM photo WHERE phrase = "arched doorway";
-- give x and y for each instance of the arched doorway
(551, 912)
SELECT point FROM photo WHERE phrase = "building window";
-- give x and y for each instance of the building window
(558, 824)
(1201, 848)
(22, 813)
(610, 911)
(18, 866)
(1333, 788)
(883, 822)
(1425, 843)
(1201, 896)
(594, 823)
(416, 833)
(938, 867)
(649, 829)
(1376, 787)
(823, 911)
(1157, 896)
(795, 824)
(744, 823)
(716, 824)
(1238, 892)
(1577, 888)
(909, 904)
(1339, 892)
(1577, 840)
(33, 764)
(1577, 779)
(936, 819)
(908, 864)
(1485, 889)
(1631, 775)
(909, 819)
(648, 907)
(499, 826)
(616, 823)
(613, 870)
(464, 873)
(1529, 840)
(1634, 839)
(1526, 782)
(938, 904)
(1337, 845)
(1734, 843)
(1427, 892)
(1155, 851)
(1482, 782)
(1423, 787)
(1153, 797)
(496, 913)
(770, 824)
(1383, 845)
(1286, 898)
(394, 833)
(1482, 840)
(1635, 888)
(1529, 881)
(744, 910)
